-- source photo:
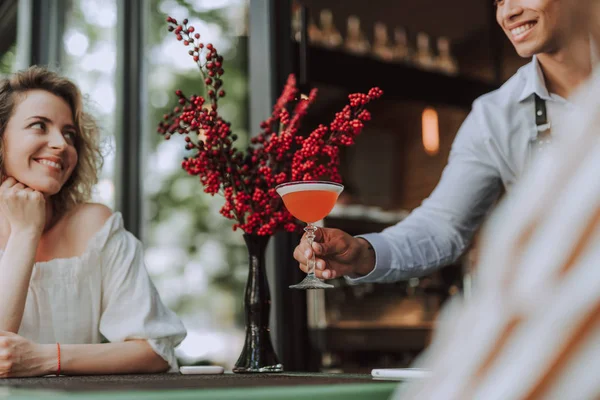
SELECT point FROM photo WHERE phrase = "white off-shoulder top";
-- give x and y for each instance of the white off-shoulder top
(105, 293)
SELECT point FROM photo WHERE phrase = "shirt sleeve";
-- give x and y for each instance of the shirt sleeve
(131, 305)
(439, 231)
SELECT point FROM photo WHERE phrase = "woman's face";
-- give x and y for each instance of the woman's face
(533, 26)
(39, 139)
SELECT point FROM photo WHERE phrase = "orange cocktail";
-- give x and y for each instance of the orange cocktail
(310, 201)
(310, 205)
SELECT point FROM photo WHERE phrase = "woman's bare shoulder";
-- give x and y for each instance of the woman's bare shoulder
(85, 220)
(91, 214)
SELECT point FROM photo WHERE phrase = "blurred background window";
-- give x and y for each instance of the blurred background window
(8, 36)
(197, 262)
(89, 56)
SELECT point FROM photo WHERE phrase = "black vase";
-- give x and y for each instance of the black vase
(258, 354)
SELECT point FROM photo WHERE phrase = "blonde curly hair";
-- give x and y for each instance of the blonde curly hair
(78, 187)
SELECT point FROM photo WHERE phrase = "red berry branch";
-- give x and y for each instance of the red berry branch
(278, 154)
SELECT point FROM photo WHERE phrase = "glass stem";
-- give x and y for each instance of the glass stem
(310, 237)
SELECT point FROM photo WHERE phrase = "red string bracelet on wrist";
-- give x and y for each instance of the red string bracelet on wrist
(58, 359)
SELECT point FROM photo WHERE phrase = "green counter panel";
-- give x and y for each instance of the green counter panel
(286, 386)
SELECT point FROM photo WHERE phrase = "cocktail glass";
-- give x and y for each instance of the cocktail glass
(310, 201)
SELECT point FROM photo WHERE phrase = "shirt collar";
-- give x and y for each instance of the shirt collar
(534, 81)
(534, 77)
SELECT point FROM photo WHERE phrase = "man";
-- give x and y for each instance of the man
(532, 327)
(491, 151)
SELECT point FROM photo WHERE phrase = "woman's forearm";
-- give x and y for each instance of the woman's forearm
(130, 357)
(16, 265)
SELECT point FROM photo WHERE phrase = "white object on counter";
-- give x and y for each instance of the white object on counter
(400, 373)
(202, 370)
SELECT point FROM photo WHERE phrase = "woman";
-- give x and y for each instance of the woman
(71, 277)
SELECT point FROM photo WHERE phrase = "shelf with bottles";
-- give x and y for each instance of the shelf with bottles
(396, 50)
(402, 69)
(398, 81)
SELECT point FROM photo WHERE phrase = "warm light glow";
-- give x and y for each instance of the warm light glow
(431, 131)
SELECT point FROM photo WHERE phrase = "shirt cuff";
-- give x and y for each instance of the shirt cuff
(383, 260)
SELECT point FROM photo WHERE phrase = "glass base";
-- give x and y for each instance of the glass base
(311, 282)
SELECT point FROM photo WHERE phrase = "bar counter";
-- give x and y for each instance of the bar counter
(282, 386)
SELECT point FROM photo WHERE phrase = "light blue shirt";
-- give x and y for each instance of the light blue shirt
(491, 151)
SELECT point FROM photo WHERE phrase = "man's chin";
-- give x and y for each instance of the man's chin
(525, 51)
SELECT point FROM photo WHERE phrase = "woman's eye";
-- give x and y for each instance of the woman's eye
(69, 136)
(38, 125)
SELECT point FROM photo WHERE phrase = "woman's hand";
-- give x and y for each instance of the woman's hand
(24, 210)
(337, 254)
(23, 207)
(20, 357)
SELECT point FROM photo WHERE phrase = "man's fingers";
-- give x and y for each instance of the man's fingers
(303, 255)
(300, 253)
(320, 264)
(327, 274)
(317, 247)
(335, 246)
(329, 242)
(319, 235)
